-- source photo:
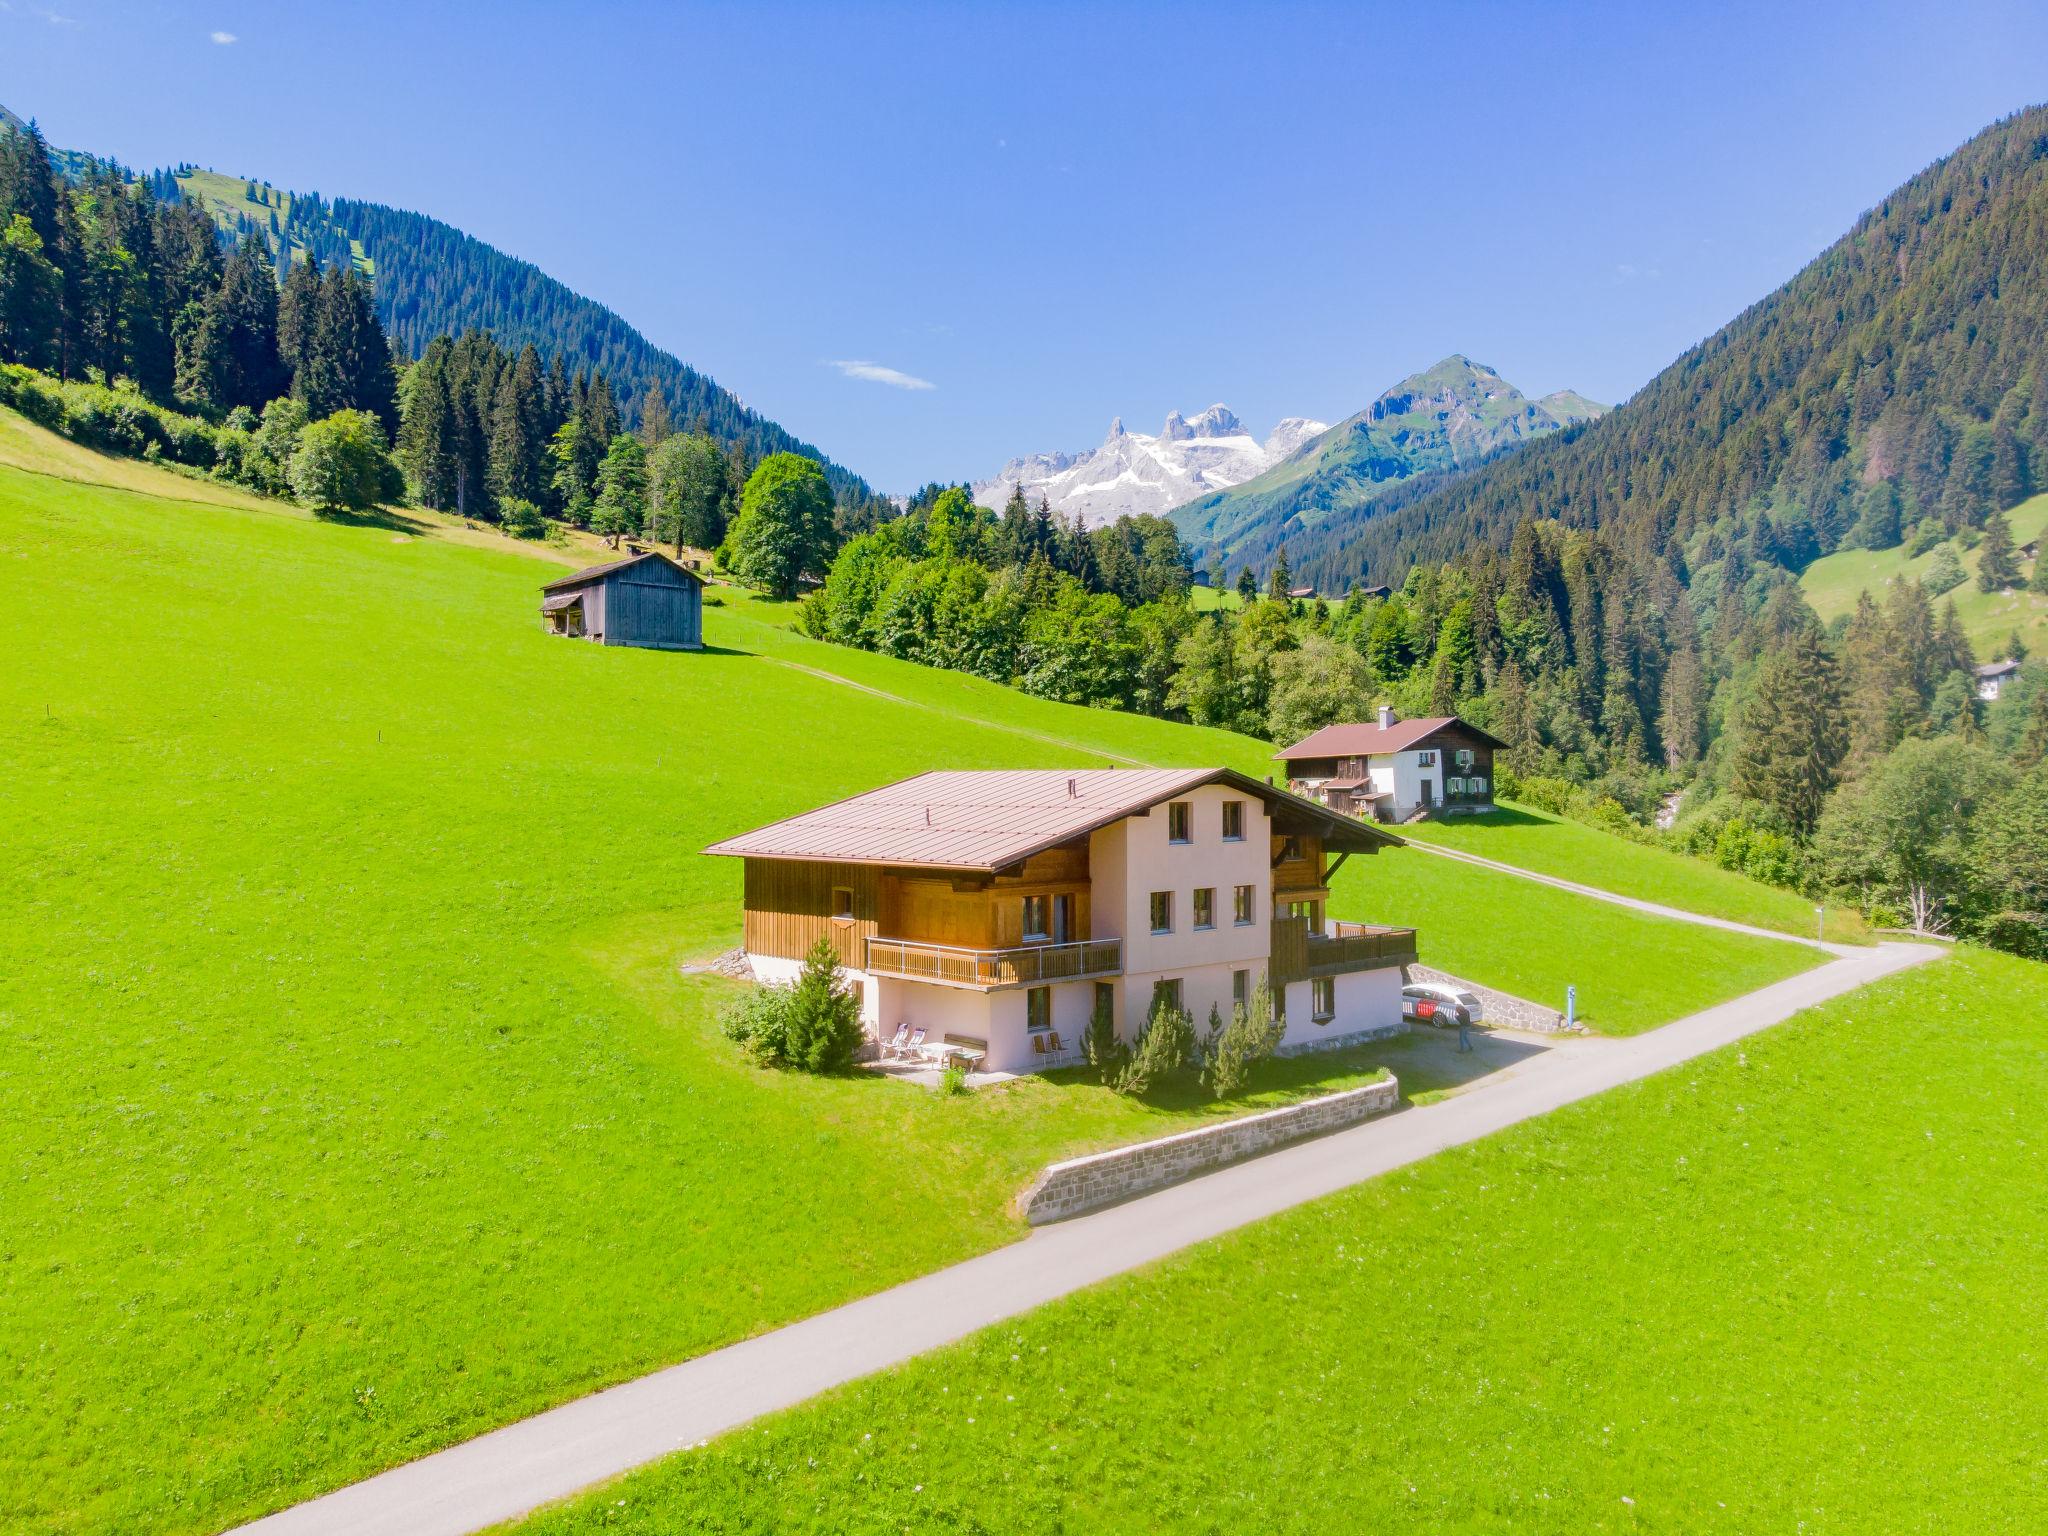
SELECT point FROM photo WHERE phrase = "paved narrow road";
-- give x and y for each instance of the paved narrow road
(512, 1470)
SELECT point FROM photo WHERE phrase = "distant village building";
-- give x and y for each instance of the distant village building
(1993, 678)
(1302, 594)
(645, 600)
(1395, 770)
(1379, 594)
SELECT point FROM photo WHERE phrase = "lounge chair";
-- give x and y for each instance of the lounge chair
(895, 1042)
(908, 1050)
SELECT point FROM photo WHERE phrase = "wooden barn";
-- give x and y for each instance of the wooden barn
(646, 600)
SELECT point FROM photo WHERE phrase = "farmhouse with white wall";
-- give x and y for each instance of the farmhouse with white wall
(1395, 770)
(996, 911)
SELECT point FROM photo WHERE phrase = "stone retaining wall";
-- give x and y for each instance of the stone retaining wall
(1502, 1008)
(1344, 1042)
(1103, 1178)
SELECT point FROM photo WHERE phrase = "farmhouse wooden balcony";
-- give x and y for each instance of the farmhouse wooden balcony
(1340, 948)
(1027, 965)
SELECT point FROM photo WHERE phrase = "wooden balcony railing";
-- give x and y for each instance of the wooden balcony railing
(1341, 947)
(1028, 965)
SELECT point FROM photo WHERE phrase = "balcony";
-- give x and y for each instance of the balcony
(1028, 965)
(1340, 948)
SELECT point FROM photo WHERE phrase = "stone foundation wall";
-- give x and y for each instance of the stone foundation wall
(1503, 1008)
(1088, 1183)
(1344, 1042)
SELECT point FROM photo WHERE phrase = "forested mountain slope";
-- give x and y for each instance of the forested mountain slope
(432, 280)
(1448, 417)
(1897, 377)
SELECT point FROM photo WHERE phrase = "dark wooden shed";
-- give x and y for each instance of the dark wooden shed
(645, 600)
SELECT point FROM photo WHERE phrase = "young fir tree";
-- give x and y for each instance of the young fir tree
(1998, 565)
(1791, 737)
(1281, 581)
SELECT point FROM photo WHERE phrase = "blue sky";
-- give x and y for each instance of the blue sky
(1055, 215)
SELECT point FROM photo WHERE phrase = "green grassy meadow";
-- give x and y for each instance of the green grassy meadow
(1832, 583)
(1632, 971)
(355, 1103)
(1792, 1286)
(1552, 845)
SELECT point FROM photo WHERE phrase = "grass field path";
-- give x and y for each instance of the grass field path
(514, 1470)
(1633, 903)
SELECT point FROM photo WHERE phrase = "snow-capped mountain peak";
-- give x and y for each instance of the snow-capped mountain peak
(1132, 474)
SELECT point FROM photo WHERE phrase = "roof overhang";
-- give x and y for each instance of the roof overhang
(1291, 815)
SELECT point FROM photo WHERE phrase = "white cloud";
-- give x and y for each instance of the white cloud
(224, 38)
(875, 373)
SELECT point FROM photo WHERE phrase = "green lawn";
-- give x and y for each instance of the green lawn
(1632, 972)
(353, 1100)
(1832, 583)
(1571, 850)
(1793, 1286)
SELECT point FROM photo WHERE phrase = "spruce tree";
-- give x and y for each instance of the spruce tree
(298, 309)
(1281, 581)
(1791, 736)
(1998, 566)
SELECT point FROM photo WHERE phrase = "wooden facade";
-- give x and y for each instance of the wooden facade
(791, 903)
(647, 601)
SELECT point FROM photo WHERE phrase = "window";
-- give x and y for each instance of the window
(1240, 989)
(1312, 910)
(1464, 757)
(1425, 759)
(1478, 786)
(1290, 848)
(1162, 911)
(1243, 908)
(1233, 821)
(1454, 785)
(1180, 822)
(1205, 907)
(1167, 992)
(1062, 919)
(1034, 917)
(1105, 1002)
(1322, 992)
(1038, 1009)
(842, 903)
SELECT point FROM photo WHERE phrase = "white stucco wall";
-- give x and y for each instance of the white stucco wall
(1368, 1002)
(1402, 773)
(1134, 858)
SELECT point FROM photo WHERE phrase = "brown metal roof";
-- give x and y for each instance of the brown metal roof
(591, 573)
(1370, 740)
(990, 820)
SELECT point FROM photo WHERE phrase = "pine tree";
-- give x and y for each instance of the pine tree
(298, 308)
(1998, 567)
(1247, 585)
(518, 448)
(1281, 581)
(1791, 737)
(655, 427)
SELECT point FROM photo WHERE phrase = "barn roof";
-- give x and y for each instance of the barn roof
(594, 573)
(1370, 740)
(987, 821)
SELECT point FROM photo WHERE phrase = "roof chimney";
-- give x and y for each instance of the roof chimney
(1386, 717)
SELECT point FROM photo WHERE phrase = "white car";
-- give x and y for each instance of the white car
(1436, 1002)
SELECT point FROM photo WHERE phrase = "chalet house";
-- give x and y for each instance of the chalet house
(993, 910)
(645, 600)
(1395, 770)
(1993, 678)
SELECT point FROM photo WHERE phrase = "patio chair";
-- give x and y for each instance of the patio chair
(909, 1049)
(1053, 1047)
(895, 1041)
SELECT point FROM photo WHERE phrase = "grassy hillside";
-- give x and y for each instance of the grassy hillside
(227, 200)
(1832, 583)
(1571, 850)
(355, 1100)
(1794, 1286)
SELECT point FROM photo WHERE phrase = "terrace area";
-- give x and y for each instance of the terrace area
(1026, 965)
